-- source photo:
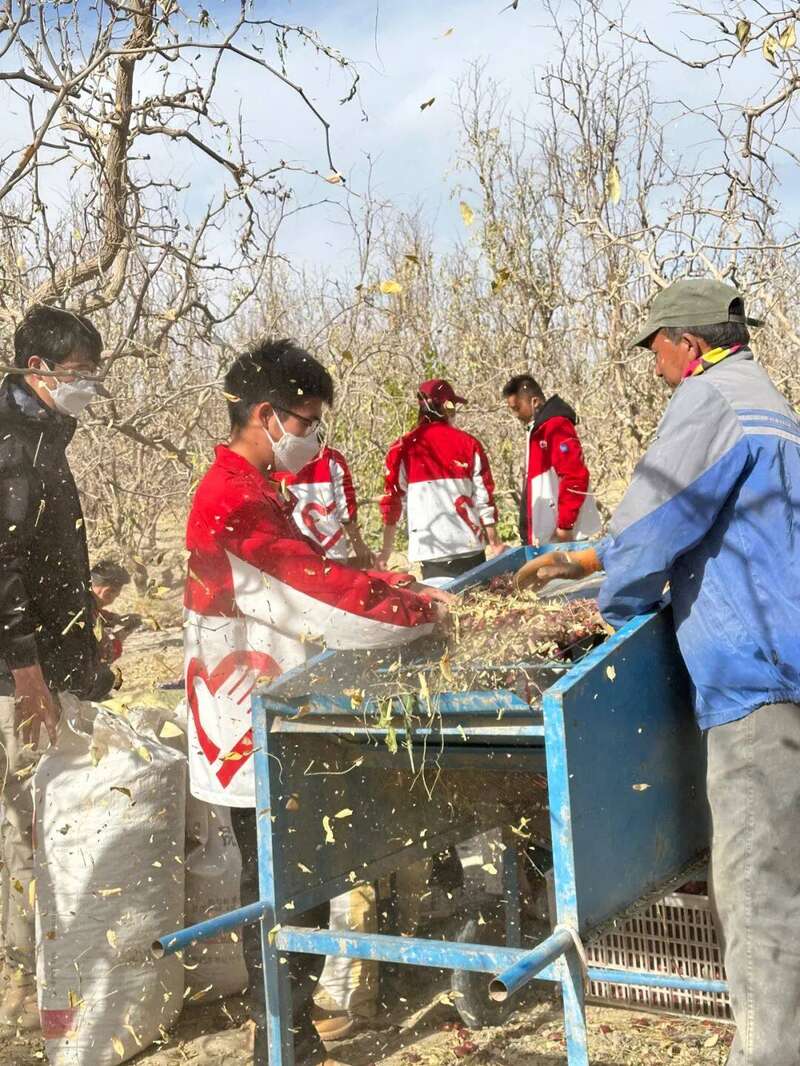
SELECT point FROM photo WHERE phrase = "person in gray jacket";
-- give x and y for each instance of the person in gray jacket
(714, 512)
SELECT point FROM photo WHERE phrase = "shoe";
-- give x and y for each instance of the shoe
(308, 1051)
(333, 1025)
(19, 1010)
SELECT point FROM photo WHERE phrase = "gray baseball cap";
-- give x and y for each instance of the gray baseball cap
(693, 302)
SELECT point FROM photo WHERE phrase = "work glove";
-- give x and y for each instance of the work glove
(566, 565)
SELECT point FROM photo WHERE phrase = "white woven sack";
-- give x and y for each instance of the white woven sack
(214, 968)
(109, 822)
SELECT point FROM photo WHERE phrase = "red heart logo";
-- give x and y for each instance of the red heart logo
(240, 670)
(307, 514)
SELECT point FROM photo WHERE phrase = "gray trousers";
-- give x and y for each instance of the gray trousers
(16, 841)
(754, 793)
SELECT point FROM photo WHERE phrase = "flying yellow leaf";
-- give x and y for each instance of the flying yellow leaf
(501, 279)
(345, 812)
(335, 178)
(446, 668)
(448, 32)
(326, 825)
(467, 214)
(143, 753)
(118, 1046)
(111, 937)
(743, 32)
(611, 673)
(426, 103)
(32, 893)
(490, 868)
(519, 830)
(788, 39)
(613, 184)
(769, 48)
(640, 788)
(169, 729)
(390, 287)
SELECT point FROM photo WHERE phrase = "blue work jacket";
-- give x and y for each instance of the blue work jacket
(713, 511)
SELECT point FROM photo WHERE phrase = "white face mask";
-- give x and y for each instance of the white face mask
(73, 397)
(292, 452)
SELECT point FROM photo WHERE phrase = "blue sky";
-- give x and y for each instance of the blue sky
(405, 56)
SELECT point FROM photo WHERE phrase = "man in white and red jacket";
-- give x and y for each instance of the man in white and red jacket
(556, 504)
(256, 592)
(442, 476)
(325, 507)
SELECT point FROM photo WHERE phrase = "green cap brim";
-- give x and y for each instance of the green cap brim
(644, 335)
(652, 326)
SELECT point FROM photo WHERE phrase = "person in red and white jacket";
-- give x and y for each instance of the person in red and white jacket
(257, 591)
(556, 504)
(325, 507)
(442, 476)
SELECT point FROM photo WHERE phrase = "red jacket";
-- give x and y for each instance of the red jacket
(556, 488)
(325, 500)
(442, 476)
(256, 592)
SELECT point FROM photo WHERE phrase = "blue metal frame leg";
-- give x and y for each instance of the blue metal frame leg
(277, 980)
(278, 991)
(573, 990)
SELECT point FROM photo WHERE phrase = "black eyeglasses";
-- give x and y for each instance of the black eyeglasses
(312, 423)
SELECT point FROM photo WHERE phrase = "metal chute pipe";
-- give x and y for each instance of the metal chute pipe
(223, 923)
(508, 982)
(654, 980)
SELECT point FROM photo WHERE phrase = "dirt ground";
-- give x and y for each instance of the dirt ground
(432, 1036)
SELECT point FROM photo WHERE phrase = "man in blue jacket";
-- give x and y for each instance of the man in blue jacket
(713, 510)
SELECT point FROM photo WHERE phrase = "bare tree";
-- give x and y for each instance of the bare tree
(101, 103)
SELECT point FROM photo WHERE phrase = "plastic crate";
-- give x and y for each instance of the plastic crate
(674, 936)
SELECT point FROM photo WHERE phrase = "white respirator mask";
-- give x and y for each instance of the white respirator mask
(292, 452)
(73, 397)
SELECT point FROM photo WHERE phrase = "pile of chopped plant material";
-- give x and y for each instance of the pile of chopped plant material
(503, 626)
(501, 638)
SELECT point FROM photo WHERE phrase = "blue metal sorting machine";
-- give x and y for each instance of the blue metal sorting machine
(625, 767)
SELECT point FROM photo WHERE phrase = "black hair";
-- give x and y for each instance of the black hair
(107, 572)
(274, 371)
(430, 411)
(522, 383)
(55, 335)
(722, 335)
